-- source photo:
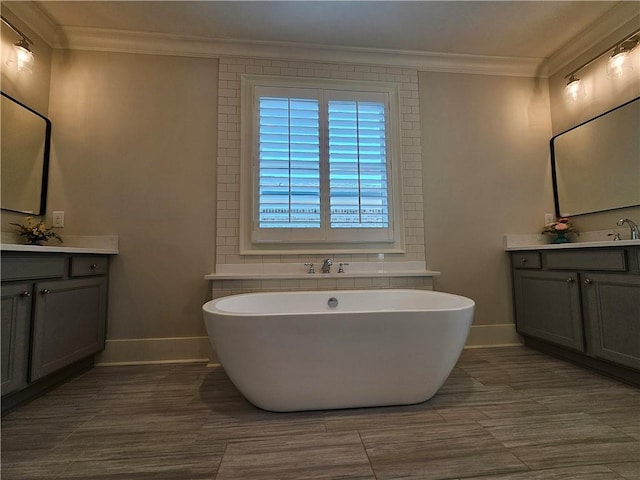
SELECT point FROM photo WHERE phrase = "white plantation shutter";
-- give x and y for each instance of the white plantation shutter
(289, 159)
(357, 164)
(321, 167)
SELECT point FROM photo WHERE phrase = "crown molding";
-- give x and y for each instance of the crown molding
(106, 40)
(35, 19)
(624, 16)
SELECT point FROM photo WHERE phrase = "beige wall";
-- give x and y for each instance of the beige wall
(601, 94)
(30, 89)
(134, 149)
(486, 173)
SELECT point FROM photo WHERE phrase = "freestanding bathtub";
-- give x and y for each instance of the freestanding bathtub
(289, 351)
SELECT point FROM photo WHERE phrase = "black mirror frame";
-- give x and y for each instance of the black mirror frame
(553, 162)
(45, 166)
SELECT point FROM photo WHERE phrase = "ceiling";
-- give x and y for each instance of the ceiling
(525, 29)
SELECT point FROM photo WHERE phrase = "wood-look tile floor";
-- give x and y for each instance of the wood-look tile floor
(504, 414)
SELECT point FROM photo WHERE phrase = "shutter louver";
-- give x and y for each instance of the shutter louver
(289, 177)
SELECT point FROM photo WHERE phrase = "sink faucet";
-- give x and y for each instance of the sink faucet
(635, 233)
(326, 265)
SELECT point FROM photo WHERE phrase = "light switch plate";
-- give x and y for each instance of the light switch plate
(548, 218)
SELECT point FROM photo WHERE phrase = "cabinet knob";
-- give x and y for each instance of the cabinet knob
(588, 281)
(45, 291)
(93, 266)
(523, 260)
(570, 280)
(25, 294)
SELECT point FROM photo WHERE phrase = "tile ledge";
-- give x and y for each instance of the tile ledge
(298, 271)
(318, 276)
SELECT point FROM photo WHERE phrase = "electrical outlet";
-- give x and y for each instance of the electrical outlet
(58, 219)
(548, 218)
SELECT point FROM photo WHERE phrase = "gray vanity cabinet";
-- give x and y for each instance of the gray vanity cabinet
(583, 304)
(68, 323)
(16, 323)
(54, 311)
(613, 316)
(548, 307)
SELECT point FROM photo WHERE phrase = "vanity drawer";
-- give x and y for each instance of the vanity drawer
(526, 259)
(82, 266)
(23, 267)
(612, 260)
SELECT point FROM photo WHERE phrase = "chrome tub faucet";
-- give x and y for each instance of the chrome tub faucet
(635, 233)
(326, 265)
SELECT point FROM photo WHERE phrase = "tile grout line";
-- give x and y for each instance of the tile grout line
(375, 475)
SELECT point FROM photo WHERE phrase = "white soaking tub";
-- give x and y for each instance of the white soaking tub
(289, 351)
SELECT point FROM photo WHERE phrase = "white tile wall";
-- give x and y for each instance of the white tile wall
(223, 288)
(228, 162)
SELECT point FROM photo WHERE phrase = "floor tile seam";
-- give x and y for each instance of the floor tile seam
(224, 452)
(366, 452)
(498, 447)
(70, 434)
(560, 442)
(287, 435)
(609, 465)
(617, 428)
(552, 416)
(413, 428)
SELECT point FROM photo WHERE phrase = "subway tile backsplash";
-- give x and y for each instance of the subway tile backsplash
(223, 288)
(231, 70)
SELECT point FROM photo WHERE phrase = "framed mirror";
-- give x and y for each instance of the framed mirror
(596, 165)
(25, 137)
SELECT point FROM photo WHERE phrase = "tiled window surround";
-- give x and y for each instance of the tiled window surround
(273, 277)
(228, 162)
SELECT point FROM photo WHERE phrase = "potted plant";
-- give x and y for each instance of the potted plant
(35, 232)
(560, 228)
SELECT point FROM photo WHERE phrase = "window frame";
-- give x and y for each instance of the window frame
(341, 241)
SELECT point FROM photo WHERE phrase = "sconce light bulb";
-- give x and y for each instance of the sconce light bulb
(617, 64)
(24, 56)
(574, 88)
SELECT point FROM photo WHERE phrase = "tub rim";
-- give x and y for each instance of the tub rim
(468, 303)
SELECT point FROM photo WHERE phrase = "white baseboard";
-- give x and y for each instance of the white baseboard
(499, 335)
(136, 351)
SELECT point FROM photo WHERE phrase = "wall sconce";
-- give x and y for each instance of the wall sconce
(616, 66)
(618, 63)
(23, 55)
(574, 88)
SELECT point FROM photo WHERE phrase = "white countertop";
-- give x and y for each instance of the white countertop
(598, 239)
(102, 244)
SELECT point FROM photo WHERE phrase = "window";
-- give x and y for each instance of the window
(319, 168)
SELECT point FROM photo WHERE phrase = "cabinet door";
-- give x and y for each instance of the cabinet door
(69, 323)
(16, 322)
(613, 316)
(548, 307)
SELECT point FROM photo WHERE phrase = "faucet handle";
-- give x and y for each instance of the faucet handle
(310, 265)
(341, 270)
(616, 236)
